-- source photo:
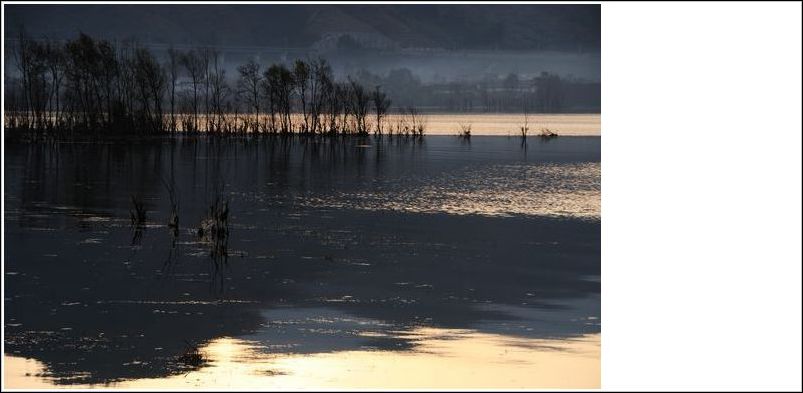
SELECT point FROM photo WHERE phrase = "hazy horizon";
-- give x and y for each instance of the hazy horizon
(438, 43)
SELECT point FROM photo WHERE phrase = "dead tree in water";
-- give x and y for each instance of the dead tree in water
(150, 81)
(138, 213)
(172, 221)
(54, 60)
(269, 95)
(248, 87)
(381, 105)
(218, 93)
(417, 121)
(301, 82)
(332, 105)
(214, 230)
(205, 54)
(465, 131)
(27, 57)
(525, 128)
(91, 69)
(341, 103)
(358, 103)
(173, 70)
(279, 84)
(319, 81)
(193, 64)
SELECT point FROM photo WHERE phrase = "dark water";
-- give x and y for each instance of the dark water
(328, 240)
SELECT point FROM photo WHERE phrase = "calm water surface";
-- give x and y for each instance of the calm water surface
(350, 263)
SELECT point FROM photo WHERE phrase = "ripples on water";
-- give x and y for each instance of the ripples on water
(554, 190)
(354, 263)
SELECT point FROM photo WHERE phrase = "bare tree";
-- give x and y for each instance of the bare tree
(417, 121)
(268, 93)
(319, 80)
(281, 85)
(30, 59)
(204, 61)
(248, 87)
(219, 92)
(331, 106)
(193, 64)
(301, 74)
(22, 59)
(342, 98)
(150, 79)
(358, 104)
(173, 58)
(381, 105)
(525, 128)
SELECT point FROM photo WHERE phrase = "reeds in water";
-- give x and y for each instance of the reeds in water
(172, 221)
(547, 133)
(215, 225)
(465, 131)
(137, 213)
(214, 230)
(192, 356)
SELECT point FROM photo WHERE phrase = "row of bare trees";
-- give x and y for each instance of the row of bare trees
(85, 85)
(88, 85)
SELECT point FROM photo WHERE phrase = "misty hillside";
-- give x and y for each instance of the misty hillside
(515, 27)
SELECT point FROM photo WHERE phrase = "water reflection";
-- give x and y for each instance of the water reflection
(557, 190)
(505, 124)
(443, 358)
(370, 250)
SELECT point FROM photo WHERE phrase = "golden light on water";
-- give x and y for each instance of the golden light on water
(442, 358)
(552, 190)
(581, 124)
(502, 124)
(586, 124)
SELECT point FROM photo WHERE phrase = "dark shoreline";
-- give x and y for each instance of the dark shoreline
(27, 136)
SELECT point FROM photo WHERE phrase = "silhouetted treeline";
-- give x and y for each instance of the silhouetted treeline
(95, 86)
(544, 93)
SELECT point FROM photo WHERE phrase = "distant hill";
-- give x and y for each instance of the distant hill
(507, 27)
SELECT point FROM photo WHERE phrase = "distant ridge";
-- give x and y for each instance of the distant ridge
(571, 28)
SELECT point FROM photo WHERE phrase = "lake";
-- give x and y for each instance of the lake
(437, 262)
